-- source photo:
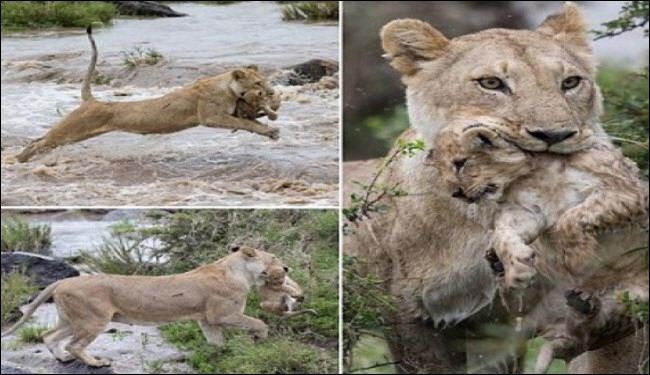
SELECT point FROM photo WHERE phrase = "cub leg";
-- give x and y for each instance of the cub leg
(515, 228)
(576, 229)
(213, 333)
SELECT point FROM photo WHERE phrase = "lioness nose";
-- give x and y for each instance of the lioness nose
(552, 136)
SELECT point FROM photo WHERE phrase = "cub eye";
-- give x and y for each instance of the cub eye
(571, 82)
(492, 83)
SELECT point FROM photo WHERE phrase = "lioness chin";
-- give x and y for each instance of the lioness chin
(214, 295)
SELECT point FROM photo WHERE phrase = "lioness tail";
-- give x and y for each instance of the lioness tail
(29, 309)
(85, 87)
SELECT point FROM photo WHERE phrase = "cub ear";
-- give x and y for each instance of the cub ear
(407, 42)
(567, 26)
(253, 67)
(238, 74)
(480, 137)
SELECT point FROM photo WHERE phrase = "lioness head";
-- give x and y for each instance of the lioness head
(541, 82)
(254, 262)
(474, 161)
(249, 80)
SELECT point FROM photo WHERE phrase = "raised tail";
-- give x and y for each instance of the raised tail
(85, 88)
(29, 309)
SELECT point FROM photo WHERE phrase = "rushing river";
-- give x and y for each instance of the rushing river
(41, 74)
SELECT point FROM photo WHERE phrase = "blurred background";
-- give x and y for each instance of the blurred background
(374, 113)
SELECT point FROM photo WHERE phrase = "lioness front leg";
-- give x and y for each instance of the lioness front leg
(515, 228)
(229, 313)
(231, 122)
(212, 333)
(258, 328)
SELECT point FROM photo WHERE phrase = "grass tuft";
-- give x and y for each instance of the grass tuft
(18, 235)
(31, 334)
(311, 11)
(139, 56)
(15, 291)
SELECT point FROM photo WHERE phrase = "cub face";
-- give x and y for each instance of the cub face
(541, 82)
(475, 162)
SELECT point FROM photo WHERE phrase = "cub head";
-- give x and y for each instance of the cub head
(275, 276)
(475, 162)
(540, 82)
(250, 79)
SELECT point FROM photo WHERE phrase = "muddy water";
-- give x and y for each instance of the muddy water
(199, 166)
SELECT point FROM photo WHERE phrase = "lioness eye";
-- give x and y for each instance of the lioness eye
(492, 83)
(570, 82)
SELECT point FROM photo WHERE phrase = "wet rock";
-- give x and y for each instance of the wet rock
(311, 71)
(131, 350)
(145, 8)
(41, 269)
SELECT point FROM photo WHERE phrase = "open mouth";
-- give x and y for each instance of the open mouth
(472, 198)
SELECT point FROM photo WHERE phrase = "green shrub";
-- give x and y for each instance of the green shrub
(15, 291)
(241, 355)
(43, 14)
(31, 334)
(123, 252)
(311, 11)
(18, 235)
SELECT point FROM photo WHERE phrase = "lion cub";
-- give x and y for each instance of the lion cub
(574, 196)
(280, 294)
(255, 101)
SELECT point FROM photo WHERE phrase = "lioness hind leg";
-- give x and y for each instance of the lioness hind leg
(213, 333)
(85, 332)
(53, 341)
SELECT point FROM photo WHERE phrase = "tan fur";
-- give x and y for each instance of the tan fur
(214, 295)
(428, 249)
(280, 293)
(210, 102)
(573, 198)
(254, 101)
(442, 78)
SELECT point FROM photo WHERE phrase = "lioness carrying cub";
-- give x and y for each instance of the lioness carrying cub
(214, 295)
(211, 102)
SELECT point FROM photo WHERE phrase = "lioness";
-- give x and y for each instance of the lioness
(428, 250)
(280, 294)
(214, 295)
(211, 102)
(592, 191)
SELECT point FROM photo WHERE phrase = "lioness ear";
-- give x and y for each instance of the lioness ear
(407, 42)
(253, 67)
(238, 74)
(567, 27)
(479, 137)
(248, 251)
